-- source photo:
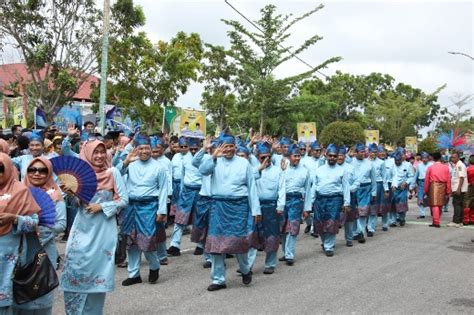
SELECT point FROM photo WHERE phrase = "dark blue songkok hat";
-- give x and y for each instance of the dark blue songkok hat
(34, 136)
(342, 150)
(315, 146)
(194, 142)
(141, 140)
(226, 139)
(155, 141)
(285, 141)
(424, 155)
(293, 150)
(380, 148)
(332, 149)
(360, 147)
(373, 147)
(264, 147)
(182, 141)
(243, 149)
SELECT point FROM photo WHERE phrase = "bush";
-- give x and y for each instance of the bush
(342, 133)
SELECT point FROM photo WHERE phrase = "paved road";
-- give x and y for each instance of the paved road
(414, 269)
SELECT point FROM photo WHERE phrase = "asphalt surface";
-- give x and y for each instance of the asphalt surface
(411, 270)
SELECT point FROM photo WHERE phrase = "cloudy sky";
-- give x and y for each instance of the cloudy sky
(406, 39)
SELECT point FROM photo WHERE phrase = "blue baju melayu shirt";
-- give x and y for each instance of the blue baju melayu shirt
(271, 185)
(365, 174)
(297, 180)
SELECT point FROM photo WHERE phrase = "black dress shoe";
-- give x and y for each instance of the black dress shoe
(198, 251)
(329, 253)
(435, 225)
(290, 262)
(370, 234)
(393, 225)
(402, 222)
(164, 261)
(307, 229)
(123, 264)
(207, 265)
(385, 229)
(228, 256)
(247, 278)
(131, 281)
(420, 217)
(349, 243)
(282, 258)
(357, 237)
(361, 240)
(315, 235)
(173, 251)
(153, 276)
(269, 270)
(215, 287)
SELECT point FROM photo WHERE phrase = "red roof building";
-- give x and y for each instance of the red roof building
(17, 72)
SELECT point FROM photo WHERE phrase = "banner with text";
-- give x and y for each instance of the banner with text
(307, 132)
(371, 136)
(411, 144)
(185, 122)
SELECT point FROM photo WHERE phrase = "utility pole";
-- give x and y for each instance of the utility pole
(104, 64)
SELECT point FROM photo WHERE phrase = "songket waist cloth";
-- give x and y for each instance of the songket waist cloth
(290, 222)
(230, 226)
(139, 224)
(327, 216)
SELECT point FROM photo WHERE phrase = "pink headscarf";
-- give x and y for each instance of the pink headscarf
(105, 178)
(15, 198)
(49, 186)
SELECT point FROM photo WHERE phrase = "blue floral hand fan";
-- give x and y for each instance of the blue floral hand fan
(77, 175)
(47, 215)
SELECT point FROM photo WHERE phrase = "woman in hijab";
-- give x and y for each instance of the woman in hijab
(89, 270)
(18, 215)
(39, 174)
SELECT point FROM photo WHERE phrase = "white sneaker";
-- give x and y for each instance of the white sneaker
(452, 224)
(460, 225)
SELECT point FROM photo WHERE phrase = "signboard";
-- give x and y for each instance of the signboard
(19, 112)
(306, 132)
(411, 144)
(185, 122)
(3, 114)
(69, 114)
(371, 136)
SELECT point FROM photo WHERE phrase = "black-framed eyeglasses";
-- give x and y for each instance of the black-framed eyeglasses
(263, 157)
(40, 170)
(183, 146)
(296, 155)
(332, 155)
(193, 149)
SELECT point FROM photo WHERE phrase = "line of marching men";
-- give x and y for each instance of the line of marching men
(239, 198)
(244, 197)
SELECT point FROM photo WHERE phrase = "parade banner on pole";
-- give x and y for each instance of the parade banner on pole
(4, 114)
(411, 144)
(371, 136)
(19, 112)
(69, 114)
(185, 122)
(307, 132)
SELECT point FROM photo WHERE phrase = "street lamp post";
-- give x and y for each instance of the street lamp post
(103, 68)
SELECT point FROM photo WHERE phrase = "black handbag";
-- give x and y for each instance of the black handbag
(35, 279)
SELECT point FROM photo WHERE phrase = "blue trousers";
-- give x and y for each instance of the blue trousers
(177, 235)
(361, 225)
(385, 220)
(134, 260)
(348, 231)
(421, 210)
(392, 217)
(270, 258)
(372, 223)
(207, 256)
(161, 251)
(218, 266)
(288, 245)
(329, 241)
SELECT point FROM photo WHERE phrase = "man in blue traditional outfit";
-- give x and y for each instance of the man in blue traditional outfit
(191, 181)
(144, 218)
(270, 181)
(201, 216)
(312, 162)
(402, 179)
(177, 167)
(350, 214)
(420, 181)
(158, 147)
(366, 193)
(331, 191)
(298, 198)
(35, 147)
(284, 144)
(234, 204)
(377, 159)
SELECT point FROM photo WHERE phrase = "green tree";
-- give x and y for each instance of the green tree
(427, 145)
(262, 98)
(59, 41)
(459, 118)
(147, 76)
(342, 133)
(217, 74)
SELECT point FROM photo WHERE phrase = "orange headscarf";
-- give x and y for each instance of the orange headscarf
(4, 147)
(49, 186)
(105, 178)
(15, 198)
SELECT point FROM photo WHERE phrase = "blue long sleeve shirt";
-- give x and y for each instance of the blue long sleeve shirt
(198, 158)
(332, 180)
(297, 180)
(271, 185)
(365, 173)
